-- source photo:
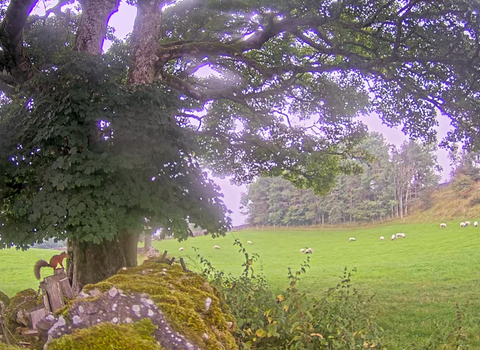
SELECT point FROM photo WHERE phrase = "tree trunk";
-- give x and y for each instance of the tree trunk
(400, 204)
(91, 263)
(93, 25)
(145, 38)
(148, 241)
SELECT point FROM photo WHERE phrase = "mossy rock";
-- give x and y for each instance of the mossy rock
(23, 302)
(10, 347)
(189, 306)
(17, 315)
(4, 298)
(103, 336)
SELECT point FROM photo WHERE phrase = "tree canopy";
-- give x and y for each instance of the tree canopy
(93, 142)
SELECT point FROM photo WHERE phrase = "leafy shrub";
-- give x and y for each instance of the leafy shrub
(339, 319)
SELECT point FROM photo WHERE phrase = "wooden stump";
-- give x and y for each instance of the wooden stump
(54, 288)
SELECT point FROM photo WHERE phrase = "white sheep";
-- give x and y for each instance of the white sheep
(443, 225)
(216, 247)
(352, 239)
(462, 224)
(382, 238)
(467, 223)
(393, 237)
(309, 251)
(302, 250)
(249, 242)
(400, 235)
(475, 224)
(180, 249)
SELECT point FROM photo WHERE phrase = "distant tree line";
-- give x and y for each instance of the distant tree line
(397, 179)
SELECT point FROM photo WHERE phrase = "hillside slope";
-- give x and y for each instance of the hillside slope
(459, 200)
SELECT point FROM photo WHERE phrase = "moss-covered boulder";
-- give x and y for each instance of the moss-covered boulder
(17, 317)
(4, 299)
(138, 336)
(10, 347)
(20, 306)
(182, 309)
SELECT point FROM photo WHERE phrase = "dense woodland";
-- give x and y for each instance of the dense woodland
(397, 179)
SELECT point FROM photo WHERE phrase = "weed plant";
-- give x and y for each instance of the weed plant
(340, 318)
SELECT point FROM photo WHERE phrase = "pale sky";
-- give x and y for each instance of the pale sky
(123, 20)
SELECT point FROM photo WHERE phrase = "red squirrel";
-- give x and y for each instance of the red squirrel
(54, 261)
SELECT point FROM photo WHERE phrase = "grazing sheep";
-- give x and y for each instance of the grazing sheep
(400, 235)
(249, 242)
(475, 224)
(352, 239)
(393, 237)
(302, 250)
(467, 223)
(443, 225)
(216, 247)
(309, 251)
(180, 249)
(462, 224)
(382, 238)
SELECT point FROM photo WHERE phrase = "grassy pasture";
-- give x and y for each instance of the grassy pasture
(16, 269)
(416, 282)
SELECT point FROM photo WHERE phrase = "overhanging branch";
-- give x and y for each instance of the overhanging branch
(15, 62)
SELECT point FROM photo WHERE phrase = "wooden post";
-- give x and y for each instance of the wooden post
(37, 315)
(64, 283)
(54, 288)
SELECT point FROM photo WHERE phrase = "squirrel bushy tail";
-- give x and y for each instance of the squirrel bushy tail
(38, 266)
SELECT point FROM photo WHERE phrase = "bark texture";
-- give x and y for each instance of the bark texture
(13, 58)
(90, 262)
(145, 41)
(93, 24)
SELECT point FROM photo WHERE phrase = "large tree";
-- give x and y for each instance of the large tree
(92, 143)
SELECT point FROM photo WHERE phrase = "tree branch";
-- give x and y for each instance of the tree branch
(15, 61)
(93, 25)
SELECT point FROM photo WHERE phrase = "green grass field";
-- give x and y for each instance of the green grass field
(416, 282)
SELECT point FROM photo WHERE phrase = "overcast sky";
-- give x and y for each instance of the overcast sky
(123, 20)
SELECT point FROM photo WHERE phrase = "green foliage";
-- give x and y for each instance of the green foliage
(86, 157)
(339, 319)
(466, 164)
(392, 175)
